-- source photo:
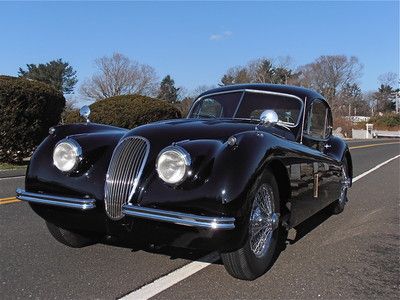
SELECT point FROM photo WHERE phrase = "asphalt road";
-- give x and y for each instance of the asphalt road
(352, 255)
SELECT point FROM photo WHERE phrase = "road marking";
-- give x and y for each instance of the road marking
(374, 168)
(13, 177)
(373, 145)
(172, 278)
(6, 199)
(9, 200)
(166, 281)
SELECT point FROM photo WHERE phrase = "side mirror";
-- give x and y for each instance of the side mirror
(269, 117)
(85, 113)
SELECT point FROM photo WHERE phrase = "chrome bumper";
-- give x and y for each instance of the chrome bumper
(77, 203)
(178, 218)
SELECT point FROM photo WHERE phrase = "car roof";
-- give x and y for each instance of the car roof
(300, 92)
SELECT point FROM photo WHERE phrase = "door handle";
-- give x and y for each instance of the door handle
(327, 146)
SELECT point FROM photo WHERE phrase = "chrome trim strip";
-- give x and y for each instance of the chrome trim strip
(178, 217)
(251, 91)
(77, 203)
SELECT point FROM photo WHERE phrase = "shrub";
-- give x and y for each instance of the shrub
(128, 111)
(387, 121)
(28, 109)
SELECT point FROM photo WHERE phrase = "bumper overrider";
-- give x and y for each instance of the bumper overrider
(179, 218)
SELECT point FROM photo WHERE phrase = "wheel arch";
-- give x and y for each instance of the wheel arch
(281, 175)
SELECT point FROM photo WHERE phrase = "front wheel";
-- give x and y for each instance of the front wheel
(71, 238)
(261, 247)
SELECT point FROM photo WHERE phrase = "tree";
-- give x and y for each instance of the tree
(261, 70)
(352, 102)
(56, 73)
(389, 78)
(329, 75)
(119, 75)
(168, 91)
(384, 98)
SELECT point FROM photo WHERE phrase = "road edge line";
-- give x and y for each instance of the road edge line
(374, 168)
(161, 284)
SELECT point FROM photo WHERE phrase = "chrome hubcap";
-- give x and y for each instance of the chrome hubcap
(263, 220)
(345, 185)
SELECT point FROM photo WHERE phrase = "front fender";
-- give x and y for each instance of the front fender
(221, 176)
(97, 142)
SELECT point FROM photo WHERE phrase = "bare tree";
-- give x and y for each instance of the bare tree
(119, 75)
(262, 70)
(329, 75)
(389, 78)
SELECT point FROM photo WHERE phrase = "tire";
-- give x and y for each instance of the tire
(338, 206)
(70, 238)
(247, 263)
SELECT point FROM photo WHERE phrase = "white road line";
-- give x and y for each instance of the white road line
(374, 168)
(13, 177)
(165, 282)
(172, 278)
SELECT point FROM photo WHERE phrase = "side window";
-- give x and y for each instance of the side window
(208, 108)
(318, 120)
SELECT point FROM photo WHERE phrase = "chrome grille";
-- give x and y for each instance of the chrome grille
(123, 175)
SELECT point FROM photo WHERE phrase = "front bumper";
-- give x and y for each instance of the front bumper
(186, 219)
(69, 202)
(178, 217)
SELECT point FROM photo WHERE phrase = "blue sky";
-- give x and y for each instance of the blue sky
(197, 42)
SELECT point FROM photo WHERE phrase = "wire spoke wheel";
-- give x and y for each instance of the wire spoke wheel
(263, 220)
(345, 183)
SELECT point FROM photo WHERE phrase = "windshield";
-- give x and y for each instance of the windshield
(249, 105)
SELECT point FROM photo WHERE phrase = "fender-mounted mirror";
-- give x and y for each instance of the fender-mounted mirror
(268, 117)
(85, 113)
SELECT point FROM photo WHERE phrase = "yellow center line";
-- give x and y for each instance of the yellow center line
(373, 145)
(6, 199)
(9, 201)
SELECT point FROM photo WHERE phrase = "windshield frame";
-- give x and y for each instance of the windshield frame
(244, 91)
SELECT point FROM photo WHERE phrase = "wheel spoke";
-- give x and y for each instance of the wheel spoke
(261, 220)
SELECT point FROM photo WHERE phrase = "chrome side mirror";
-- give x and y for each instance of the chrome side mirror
(85, 113)
(268, 117)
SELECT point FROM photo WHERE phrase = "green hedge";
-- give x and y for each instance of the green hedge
(28, 109)
(127, 111)
(388, 120)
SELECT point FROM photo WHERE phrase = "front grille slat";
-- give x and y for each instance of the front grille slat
(126, 166)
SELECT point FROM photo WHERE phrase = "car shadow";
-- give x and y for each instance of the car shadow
(309, 225)
(136, 243)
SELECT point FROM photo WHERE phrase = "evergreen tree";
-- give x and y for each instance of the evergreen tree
(385, 97)
(56, 73)
(168, 91)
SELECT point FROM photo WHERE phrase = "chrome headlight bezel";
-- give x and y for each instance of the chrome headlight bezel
(185, 159)
(75, 147)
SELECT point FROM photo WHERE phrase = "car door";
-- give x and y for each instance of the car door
(317, 131)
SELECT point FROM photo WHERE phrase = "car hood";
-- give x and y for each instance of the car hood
(168, 132)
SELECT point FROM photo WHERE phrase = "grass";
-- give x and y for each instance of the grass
(8, 166)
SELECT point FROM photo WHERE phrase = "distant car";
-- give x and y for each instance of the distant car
(248, 163)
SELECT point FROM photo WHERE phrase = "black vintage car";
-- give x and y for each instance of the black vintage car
(248, 163)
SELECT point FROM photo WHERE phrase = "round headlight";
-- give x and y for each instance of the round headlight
(173, 164)
(66, 155)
